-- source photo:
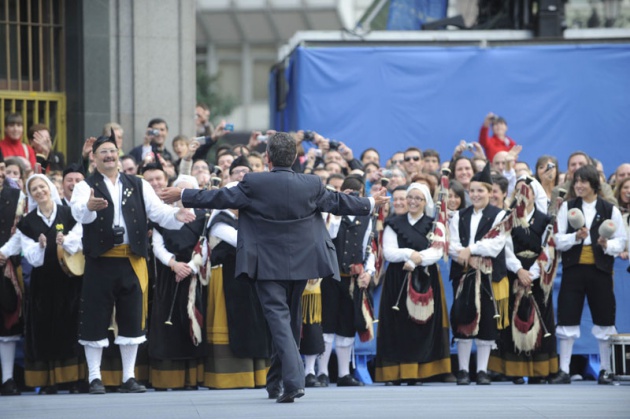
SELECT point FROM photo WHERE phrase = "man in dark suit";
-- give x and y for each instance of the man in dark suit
(282, 242)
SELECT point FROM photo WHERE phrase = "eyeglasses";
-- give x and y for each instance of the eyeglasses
(415, 158)
(415, 198)
(396, 161)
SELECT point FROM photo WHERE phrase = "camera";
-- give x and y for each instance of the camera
(309, 136)
(318, 152)
(153, 132)
(262, 138)
(334, 145)
(469, 146)
(549, 167)
(229, 127)
(119, 232)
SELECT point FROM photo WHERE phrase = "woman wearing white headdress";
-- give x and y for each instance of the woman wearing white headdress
(413, 337)
(52, 297)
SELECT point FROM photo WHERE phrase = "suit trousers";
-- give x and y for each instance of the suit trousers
(282, 304)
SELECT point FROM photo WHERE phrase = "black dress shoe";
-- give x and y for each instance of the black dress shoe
(312, 381)
(463, 378)
(323, 380)
(9, 388)
(536, 380)
(604, 378)
(132, 386)
(348, 381)
(560, 378)
(518, 380)
(288, 397)
(483, 379)
(97, 387)
(49, 390)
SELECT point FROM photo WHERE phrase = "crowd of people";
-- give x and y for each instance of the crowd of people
(184, 288)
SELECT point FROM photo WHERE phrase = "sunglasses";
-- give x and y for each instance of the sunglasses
(415, 158)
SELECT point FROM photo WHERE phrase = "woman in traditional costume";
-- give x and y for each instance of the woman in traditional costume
(413, 338)
(52, 353)
(177, 343)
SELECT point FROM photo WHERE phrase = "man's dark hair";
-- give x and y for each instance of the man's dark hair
(13, 119)
(157, 121)
(429, 152)
(413, 149)
(369, 149)
(501, 181)
(399, 188)
(281, 150)
(352, 182)
(588, 174)
(129, 157)
(335, 176)
(580, 153)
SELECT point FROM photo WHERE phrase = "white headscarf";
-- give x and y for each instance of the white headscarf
(429, 208)
(54, 193)
(187, 178)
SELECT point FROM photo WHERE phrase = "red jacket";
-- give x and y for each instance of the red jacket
(11, 148)
(492, 145)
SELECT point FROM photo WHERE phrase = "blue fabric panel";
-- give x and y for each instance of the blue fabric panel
(411, 14)
(556, 99)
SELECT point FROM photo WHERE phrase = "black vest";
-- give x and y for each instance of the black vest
(98, 236)
(223, 251)
(489, 214)
(349, 241)
(9, 198)
(571, 257)
(530, 238)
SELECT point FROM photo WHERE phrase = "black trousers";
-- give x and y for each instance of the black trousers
(107, 283)
(337, 307)
(582, 281)
(282, 304)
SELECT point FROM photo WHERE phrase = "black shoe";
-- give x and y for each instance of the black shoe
(323, 380)
(290, 396)
(49, 390)
(414, 383)
(560, 378)
(274, 391)
(604, 378)
(9, 388)
(483, 379)
(97, 387)
(518, 380)
(348, 381)
(312, 381)
(131, 386)
(536, 380)
(462, 377)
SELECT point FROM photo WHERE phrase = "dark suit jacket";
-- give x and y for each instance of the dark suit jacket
(281, 232)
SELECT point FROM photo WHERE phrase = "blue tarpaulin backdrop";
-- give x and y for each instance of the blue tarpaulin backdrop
(556, 99)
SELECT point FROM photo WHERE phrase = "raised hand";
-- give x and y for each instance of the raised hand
(94, 203)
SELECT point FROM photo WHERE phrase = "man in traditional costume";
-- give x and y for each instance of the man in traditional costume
(113, 208)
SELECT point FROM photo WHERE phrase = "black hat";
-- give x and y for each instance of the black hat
(483, 176)
(240, 161)
(73, 168)
(152, 166)
(104, 139)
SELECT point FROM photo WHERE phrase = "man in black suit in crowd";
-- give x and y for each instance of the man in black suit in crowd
(282, 242)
